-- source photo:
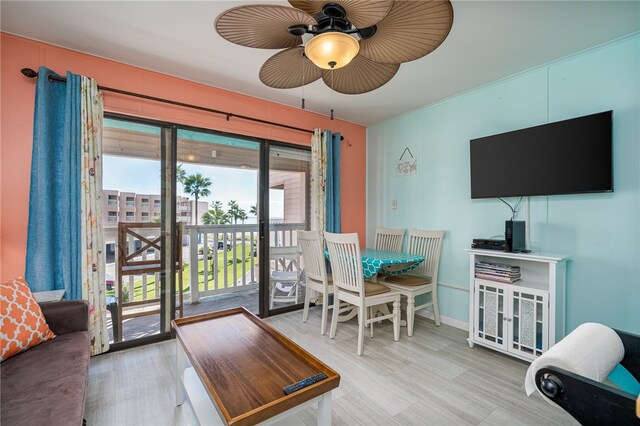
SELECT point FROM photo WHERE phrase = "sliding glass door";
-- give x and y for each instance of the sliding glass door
(217, 202)
(197, 221)
(289, 207)
(137, 232)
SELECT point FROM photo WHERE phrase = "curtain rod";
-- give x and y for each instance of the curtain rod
(30, 73)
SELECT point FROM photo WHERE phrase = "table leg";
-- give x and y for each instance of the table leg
(181, 365)
(346, 317)
(324, 410)
(350, 311)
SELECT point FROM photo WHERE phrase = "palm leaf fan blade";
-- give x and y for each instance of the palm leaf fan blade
(262, 26)
(362, 75)
(288, 69)
(411, 30)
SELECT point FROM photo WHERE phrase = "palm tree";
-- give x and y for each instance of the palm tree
(211, 217)
(198, 186)
(253, 210)
(216, 216)
(181, 174)
(242, 215)
(234, 211)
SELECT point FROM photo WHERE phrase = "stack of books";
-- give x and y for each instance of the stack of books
(497, 272)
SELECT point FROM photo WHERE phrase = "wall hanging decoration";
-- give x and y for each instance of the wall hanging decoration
(406, 165)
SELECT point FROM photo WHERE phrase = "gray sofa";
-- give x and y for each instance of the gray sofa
(47, 383)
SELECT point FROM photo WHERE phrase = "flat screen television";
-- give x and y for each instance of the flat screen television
(566, 157)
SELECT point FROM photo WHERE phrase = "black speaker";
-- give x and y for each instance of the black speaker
(514, 235)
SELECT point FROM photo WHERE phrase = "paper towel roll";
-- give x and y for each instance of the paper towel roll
(592, 350)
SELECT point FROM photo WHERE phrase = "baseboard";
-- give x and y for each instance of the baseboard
(444, 320)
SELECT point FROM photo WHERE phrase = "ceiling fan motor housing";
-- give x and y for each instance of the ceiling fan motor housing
(332, 17)
(334, 10)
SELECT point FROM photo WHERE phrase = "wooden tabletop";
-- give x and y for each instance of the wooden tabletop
(244, 364)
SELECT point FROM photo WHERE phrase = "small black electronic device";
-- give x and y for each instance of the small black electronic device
(488, 244)
(514, 235)
(304, 383)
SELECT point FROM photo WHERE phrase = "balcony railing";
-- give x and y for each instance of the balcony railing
(217, 259)
(231, 263)
(226, 247)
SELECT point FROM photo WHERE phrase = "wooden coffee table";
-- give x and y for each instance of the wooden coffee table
(233, 367)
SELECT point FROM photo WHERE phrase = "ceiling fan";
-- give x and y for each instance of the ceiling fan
(357, 45)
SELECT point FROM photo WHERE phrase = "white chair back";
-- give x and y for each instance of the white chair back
(389, 239)
(346, 261)
(429, 245)
(311, 245)
(285, 258)
(284, 275)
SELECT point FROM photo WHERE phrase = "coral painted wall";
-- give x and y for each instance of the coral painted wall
(17, 106)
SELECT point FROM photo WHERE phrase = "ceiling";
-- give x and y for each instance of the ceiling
(137, 144)
(489, 40)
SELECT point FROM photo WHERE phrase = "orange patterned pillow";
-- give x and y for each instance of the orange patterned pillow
(22, 324)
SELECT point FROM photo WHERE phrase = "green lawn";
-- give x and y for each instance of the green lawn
(241, 266)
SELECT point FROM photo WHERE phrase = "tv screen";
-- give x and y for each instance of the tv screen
(567, 157)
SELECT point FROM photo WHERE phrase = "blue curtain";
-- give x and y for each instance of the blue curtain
(53, 234)
(332, 191)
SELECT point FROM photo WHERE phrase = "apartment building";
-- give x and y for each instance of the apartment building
(131, 207)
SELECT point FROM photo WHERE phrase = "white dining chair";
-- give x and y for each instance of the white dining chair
(389, 239)
(349, 286)
(424, 278)
(317, 278)
(285, 275)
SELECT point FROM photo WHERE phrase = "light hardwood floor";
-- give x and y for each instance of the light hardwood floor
(432, 378)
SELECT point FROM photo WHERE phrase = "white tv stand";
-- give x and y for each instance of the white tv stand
(522, 319)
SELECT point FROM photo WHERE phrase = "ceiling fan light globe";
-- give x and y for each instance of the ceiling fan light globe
(331, 47)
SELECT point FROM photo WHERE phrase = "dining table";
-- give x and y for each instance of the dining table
(391, 263)
(375, 262)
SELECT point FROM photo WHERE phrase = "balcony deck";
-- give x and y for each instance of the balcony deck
(148, 325)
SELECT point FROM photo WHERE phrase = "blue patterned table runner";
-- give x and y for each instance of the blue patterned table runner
(375, 260)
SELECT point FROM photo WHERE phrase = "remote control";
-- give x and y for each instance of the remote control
(304, 383)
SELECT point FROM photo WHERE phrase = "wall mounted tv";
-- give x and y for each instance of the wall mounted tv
(566, 157)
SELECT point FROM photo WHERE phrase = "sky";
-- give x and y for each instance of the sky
(142, 176)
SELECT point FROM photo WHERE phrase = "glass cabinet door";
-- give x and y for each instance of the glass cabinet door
(529, 328)
(490, 317)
